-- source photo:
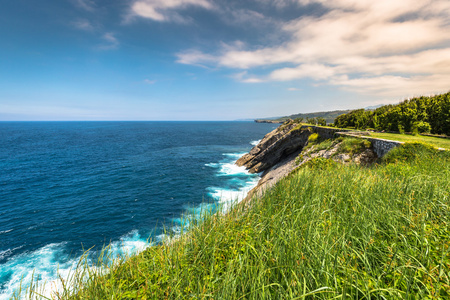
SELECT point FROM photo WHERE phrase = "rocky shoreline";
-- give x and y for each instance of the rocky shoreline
(276, 155)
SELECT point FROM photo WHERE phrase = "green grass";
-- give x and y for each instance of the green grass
(437, 142)
(353, 145)
(327, 231)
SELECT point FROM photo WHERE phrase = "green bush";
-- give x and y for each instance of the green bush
(421, 127)
(313, 138)
(408, 152)
(353, 145)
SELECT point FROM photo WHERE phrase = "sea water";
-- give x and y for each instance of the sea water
(66, 187)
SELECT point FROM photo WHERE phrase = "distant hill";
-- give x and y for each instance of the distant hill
(329, 116)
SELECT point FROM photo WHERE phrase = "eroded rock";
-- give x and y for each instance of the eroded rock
(275, 146)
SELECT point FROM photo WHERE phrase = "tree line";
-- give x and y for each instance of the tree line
(416, 115)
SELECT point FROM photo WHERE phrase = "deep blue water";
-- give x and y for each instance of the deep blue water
(69, 186)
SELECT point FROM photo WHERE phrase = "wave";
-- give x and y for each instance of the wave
(227, 197)
(52, 262)
(6, 253)
(228, 167)
(237, 184)
(254, 143)
(6, 231)
(234, 156)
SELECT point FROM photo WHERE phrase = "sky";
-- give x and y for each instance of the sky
(216, 59)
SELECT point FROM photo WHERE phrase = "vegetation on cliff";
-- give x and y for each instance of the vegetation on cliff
(327, 231)
(421, 114)
(325, 116)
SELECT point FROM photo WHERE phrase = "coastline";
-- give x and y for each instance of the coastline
(135, 164)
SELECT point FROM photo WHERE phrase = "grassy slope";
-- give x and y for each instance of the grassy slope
(328, 230)
(437, 142)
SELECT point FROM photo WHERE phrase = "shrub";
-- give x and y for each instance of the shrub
(313, 138)
(353, 146)
(408, 152)
(312, 121)
(321, 121)
(320, 163)
(421, 127)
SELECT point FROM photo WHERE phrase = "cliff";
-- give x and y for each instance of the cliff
(287, 139)
(289, 146)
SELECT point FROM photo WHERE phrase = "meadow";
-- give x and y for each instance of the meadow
(435, 141)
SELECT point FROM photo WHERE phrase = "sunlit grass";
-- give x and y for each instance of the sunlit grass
(437, 142)
(328, 231)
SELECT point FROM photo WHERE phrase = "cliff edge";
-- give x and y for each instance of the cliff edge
(277, 145)
(284, 149)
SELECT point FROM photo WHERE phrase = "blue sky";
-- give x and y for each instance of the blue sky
(216, 59)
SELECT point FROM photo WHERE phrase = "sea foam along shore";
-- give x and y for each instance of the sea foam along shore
(53, 261)
(235, 185)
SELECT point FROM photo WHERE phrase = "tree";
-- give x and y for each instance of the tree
(321, 121)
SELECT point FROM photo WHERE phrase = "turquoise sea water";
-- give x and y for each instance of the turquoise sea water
(70, 186)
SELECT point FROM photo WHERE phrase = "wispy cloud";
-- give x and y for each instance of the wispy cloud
(165, 10)
(110, 42)
(88, 5)
(83, 25)
(359, 45)
(148, 81)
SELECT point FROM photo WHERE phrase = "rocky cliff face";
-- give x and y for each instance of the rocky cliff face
(277, 145)
(278, 153)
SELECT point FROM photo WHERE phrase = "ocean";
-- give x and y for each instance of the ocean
(66, 187)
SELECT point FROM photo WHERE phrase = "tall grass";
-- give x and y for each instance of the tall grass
(328, 231)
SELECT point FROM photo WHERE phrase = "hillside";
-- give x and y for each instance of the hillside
(332, 229)
(329, 116)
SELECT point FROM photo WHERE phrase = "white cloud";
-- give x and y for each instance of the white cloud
(400, 45)
(88, 5)
(195, 57)
(314, 71)
(164, 10)
(83, 25)
(110, 42)
(148, 81)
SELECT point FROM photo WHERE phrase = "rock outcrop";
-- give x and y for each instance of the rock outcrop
(275, 146)
(268, 121)
(281, 151)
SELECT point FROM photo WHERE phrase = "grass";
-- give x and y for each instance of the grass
(437, 142)
(327, 231)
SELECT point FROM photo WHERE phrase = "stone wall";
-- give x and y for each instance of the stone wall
(380, 146)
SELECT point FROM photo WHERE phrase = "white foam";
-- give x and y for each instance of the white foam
(8, 252)
(234, 156)
(51, 262)
(228, 197)
(128, 245)
(6, 231)
(22, 266)
(213, 165)
(231, 169)
(254, 143)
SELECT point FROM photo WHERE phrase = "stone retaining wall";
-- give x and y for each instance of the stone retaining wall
(380, 146)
